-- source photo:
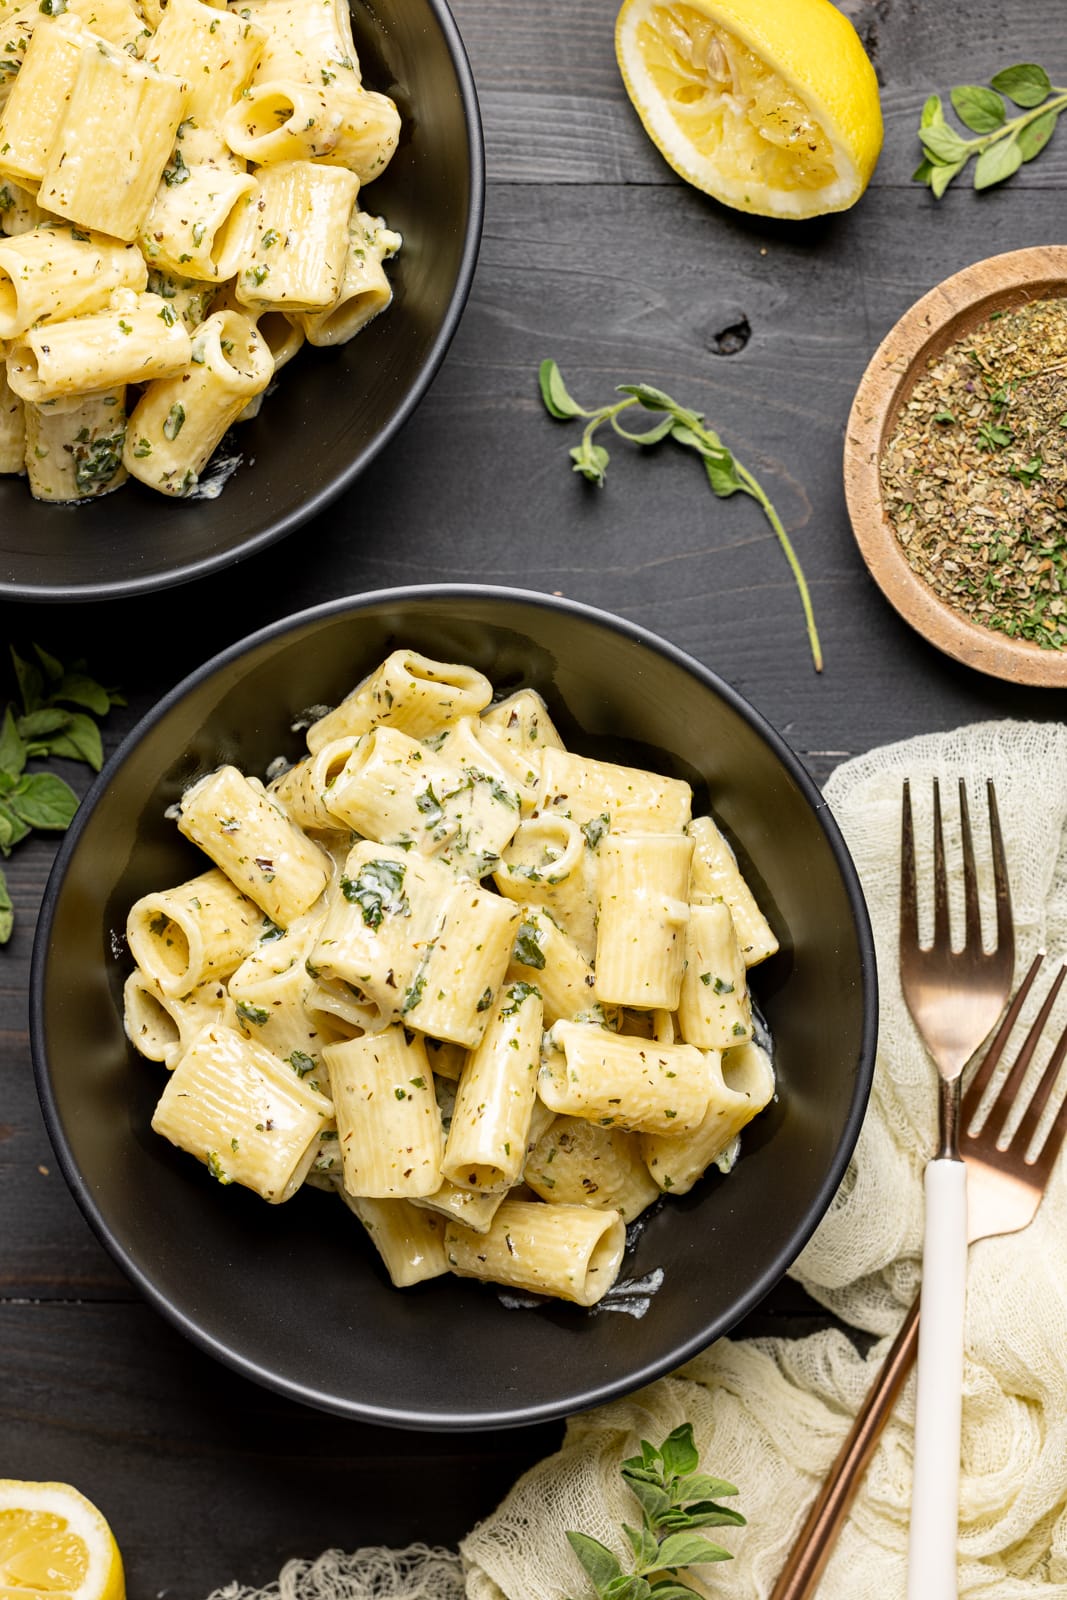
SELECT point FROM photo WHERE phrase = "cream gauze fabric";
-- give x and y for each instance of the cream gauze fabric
(770, 1414)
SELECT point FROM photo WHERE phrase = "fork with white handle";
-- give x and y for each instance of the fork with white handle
(1003, 1194)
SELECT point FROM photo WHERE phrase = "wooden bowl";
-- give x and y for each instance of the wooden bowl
(933, 323)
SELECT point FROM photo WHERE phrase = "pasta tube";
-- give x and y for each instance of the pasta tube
(293, 253)
(410, 1241)
(632, 800)
(136, 339)
(410, 692)
(53, 273)
(642, 913)
(12, 428)
(302, 787)
(287, 120)
(162, 1026)
(416, 941)
(572, 1252)
(19, 211)
(270, 990)
(244, 1114)
(474, 1208)
(622, 1082)
(742, 1084)
(197, 931)
(545, 955)
(387, 1118)
(109, 152)
(307, 40)
(714, 1010)
(264, 854)
(716, 876)
(74, 450)
(582, 1164)
(39, 98)
(548, 862)
(199, 224)
(394, 790)
(523, 720)
(486, 1144)
(365, 289)
(214, 52)
(178, 422)
(15, 36)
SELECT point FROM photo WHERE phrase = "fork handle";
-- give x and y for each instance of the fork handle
(816, 1539)
(935, 1495)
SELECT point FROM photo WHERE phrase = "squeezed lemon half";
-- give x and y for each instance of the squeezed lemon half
(55, 1545)
(769, 105)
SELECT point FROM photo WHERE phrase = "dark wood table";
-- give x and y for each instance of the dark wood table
(595, 254)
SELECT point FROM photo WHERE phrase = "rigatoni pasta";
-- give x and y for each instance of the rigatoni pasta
(150, 183)
(500, 1016)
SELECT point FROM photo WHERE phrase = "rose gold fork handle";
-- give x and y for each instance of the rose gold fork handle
(817, 1537)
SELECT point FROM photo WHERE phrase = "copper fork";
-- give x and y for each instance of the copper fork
(1005, 1187)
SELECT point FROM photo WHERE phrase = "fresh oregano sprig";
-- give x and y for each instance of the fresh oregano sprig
(1003, 142)
(53, 716)
(725, 473)
(675, 1499)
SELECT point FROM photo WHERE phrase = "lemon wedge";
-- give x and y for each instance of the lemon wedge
(769, 105)
(55, 1545)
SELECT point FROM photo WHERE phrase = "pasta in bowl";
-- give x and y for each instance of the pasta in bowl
(416, 981)
(234, 213)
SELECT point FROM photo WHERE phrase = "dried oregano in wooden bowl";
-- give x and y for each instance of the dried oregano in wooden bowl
(956, 461)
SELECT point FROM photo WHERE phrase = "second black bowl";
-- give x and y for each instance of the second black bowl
(333, 409)
(293, 1296)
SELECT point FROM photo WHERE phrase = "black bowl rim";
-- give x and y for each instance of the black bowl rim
(515, 1415)
(323, 497)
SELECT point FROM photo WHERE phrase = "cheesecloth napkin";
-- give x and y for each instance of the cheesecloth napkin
(770, 1414)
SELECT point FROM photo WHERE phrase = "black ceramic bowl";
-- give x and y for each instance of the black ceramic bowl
(333, 409)
(293, 1296)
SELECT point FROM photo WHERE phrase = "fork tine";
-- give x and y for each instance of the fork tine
(972, 917)
(1005, 923)
(909, 900)
(1024, 1133)
(942, 938)
(1001, 1108)
(991, 1060)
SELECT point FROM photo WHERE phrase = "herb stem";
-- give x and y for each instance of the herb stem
(1017, 124)
(753, 488)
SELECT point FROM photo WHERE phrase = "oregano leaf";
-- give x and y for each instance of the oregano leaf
(923, 171)
(74, 688)
(49, 720)
(678, 1452)
(932, 113)
(653, 435)
(997, 163)
(942, 176)
(12, 748)
(28, 677)
(7, 911)
(689, 1550)
(1026, 83)
(698, 1486)
(655, 1501)
(942, 143)
(12, 828)
(53, 669)
(600, 1565)
(78, 741)
(591, 460)
(44, 801)
(557, 399)
(981, 110)
(1035, 136)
